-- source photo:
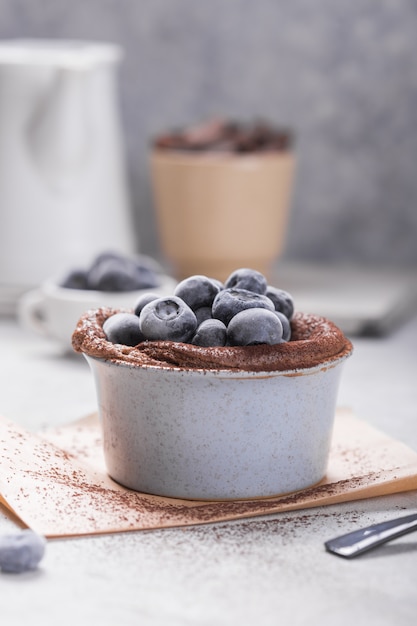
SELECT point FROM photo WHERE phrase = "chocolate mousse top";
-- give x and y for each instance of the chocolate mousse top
(314, 341)
(218, 135)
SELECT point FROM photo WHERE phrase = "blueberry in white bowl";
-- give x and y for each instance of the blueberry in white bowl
(110, 279)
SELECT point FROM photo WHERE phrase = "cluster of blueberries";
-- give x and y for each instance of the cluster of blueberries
(243, 311)
(112, 271)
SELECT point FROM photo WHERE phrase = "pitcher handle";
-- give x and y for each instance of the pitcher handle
(31, 311)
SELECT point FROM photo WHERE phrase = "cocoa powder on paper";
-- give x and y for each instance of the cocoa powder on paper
(132, 509)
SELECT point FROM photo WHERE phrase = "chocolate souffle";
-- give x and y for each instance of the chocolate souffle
(314, 341)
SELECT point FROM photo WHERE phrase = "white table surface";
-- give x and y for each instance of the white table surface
(266, 571)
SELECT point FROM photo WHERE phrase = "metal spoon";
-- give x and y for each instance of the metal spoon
(359, 541)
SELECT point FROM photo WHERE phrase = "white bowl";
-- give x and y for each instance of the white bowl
(214, 435)
(53, 311)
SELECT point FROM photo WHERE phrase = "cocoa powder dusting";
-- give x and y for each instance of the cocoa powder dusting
(131, 509)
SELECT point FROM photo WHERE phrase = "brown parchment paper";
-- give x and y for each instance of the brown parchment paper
(56, 483)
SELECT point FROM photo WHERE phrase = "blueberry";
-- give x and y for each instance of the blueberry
(123, 328)
(143, 300)
(282, 300)
(218, 282)
(197, 291)
(245, 278)
(203, 313)
(229, 302)
(286, 326)
(210, 333)
(146, 278)
(108, 255)
(254, 326)
(76, 279)
(168, 318)
(22, 551)
(148, 262)
(104, 258)
(114, 272)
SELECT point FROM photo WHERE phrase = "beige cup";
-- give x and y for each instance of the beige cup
(218, 212)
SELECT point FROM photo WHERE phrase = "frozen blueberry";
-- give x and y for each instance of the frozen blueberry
(282, 300)
(108, 256)
(245, 278)
(218, 282)
(197, 291)
(76, 279)
(143, 300)
(286, 326)
(113, 274)
(148, 262)
(229, 302)
(168, 318)
(111, 271)
(22, 551)
(123, 328)
(203, 313)
(210, 333)
(254, 326)
(147, 278)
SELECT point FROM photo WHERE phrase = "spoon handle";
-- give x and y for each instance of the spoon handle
(359, 541)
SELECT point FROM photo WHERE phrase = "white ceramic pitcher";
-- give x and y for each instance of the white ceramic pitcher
(63, 189)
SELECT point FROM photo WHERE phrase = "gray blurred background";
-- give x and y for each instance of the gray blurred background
(342, 75)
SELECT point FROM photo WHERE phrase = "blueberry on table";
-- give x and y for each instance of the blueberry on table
(253, 327)
(210, 333)
(286, 326)
(229, 302)
(246, 278)
(123, 328)
(197, 291)
(21, 551)
(282, 300)
(168, 318)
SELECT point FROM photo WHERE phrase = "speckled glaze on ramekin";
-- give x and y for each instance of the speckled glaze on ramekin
(215, 435)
